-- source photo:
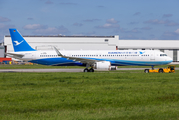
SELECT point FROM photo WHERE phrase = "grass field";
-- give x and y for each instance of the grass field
(100, 95)
(36, 66)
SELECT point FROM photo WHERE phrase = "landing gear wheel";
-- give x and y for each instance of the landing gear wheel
(88, 70)
(160, 70)
(146, 70)
(91, 70)
(85, 70)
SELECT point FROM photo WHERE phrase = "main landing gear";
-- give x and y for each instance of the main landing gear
(88, 70)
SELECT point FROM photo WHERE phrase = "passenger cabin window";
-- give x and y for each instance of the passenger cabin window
(163, 55)
(106, 40)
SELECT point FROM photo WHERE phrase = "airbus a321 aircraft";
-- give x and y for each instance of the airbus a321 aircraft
(92, 59)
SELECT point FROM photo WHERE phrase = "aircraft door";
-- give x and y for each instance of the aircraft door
(33, 55)
(152, 55)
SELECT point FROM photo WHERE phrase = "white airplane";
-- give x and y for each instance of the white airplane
(95, 59)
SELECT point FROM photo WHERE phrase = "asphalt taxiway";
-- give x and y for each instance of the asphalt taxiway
(61, 70)
(41, 70)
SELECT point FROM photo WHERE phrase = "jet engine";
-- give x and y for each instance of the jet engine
(103, 65)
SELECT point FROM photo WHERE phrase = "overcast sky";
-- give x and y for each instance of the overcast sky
(130, 19)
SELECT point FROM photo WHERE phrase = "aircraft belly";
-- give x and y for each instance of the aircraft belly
(55, 61)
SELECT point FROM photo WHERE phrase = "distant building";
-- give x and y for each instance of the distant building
(2, 51)
(67, 42)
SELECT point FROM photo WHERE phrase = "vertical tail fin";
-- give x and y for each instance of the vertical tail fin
(19, 42)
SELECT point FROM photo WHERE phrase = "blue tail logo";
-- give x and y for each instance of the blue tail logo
(19, 42)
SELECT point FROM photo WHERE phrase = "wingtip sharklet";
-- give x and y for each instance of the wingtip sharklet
(58, 53)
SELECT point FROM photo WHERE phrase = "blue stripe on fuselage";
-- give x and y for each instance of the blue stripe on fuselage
(56, 61)
(115, 62)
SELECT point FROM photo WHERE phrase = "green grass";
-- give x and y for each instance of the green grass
(100, 95)
(36, 66)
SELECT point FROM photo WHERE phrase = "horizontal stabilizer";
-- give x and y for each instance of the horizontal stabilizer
(15, 55)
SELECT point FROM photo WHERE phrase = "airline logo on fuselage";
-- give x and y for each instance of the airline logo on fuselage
(18, 43)
(141, 52)
(122, 52)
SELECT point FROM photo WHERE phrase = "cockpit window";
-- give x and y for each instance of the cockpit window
(163, 54)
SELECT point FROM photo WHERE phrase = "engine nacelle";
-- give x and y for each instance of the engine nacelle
(103, 65)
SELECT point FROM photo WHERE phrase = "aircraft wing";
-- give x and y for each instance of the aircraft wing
(14, 55)
(81, 60)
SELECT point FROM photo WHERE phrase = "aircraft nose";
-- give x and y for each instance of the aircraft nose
(169, 59)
